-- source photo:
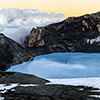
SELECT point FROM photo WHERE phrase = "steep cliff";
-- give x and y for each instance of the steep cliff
(11, 53)
(74, 34)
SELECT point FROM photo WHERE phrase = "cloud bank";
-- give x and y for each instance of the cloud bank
(17, 23)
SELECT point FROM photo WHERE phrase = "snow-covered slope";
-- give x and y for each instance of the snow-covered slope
(94, 82)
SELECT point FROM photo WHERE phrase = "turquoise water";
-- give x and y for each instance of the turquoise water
(62, 65)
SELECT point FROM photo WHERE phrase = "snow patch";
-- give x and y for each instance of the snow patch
(1, 98)
(96, 96)
(26, 85)
(94, 82)
(91, 41)
(4, 88)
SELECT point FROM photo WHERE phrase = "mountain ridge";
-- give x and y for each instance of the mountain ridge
(74, 34)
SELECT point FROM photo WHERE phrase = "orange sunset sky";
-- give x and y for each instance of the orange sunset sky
(68, 7)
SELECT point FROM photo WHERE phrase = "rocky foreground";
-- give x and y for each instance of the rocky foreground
(37, 89)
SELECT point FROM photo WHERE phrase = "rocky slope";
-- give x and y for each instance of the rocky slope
(11, 53)
(74, 34)
(21, 78)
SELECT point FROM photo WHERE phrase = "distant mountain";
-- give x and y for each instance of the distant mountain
(74, 34)
(11, 53)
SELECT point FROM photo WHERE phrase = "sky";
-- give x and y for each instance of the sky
(68, 7)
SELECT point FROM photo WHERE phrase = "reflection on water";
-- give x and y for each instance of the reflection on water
(62, 65)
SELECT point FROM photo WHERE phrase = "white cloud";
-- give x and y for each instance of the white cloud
(17, 23)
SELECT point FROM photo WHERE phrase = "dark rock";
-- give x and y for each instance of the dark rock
(51, 92)
(42, 91)
(21, 78)
(11, 53)
(75, 34)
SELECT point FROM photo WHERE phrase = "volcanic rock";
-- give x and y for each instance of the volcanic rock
(21, 78)
(11, 53)
(51, 92)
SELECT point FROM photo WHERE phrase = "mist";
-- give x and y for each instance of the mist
(17, 23)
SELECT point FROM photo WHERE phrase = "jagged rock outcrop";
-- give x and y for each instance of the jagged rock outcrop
(35, 38)
(75, 34)
(11, 53)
